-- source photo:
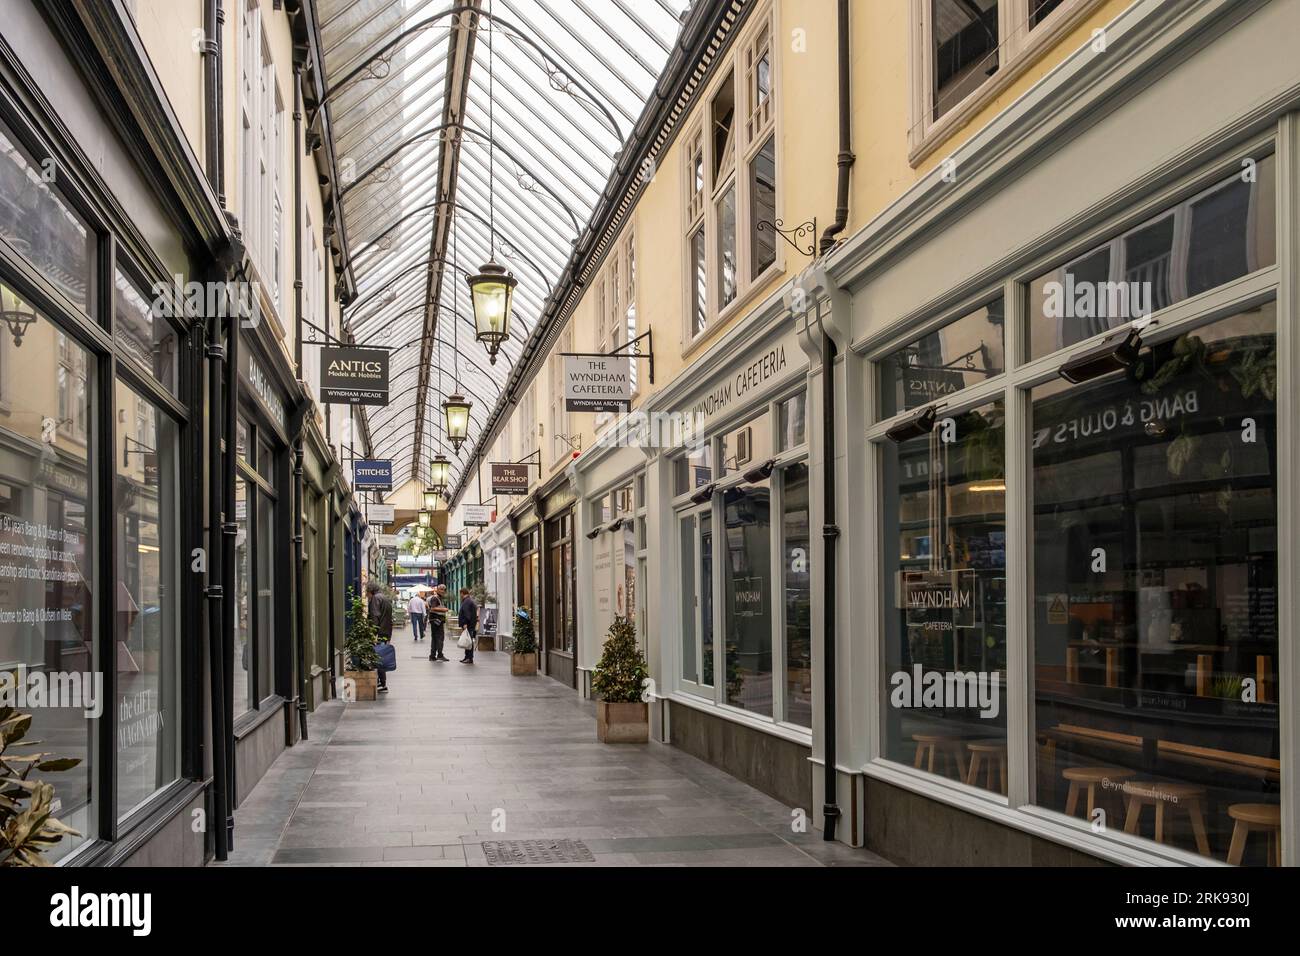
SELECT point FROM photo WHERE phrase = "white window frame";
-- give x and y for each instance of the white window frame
(1014, 388)
(1018, 48)
(701, 208)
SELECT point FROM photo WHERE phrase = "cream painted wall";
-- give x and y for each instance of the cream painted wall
(881, 103)
(172, 33)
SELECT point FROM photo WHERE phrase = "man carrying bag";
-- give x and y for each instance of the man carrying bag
(437, 623)
(468, 619)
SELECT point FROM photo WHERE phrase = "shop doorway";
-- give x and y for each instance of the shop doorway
(560, 621)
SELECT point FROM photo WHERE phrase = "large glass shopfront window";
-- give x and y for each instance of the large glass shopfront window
(48, 541)
(148, 611)
(944, 599)
(747, 584)
(254, 584)
(1155, 593)
(797, 594)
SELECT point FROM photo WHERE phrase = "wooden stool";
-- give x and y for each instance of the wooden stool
(1089, 778)
(994, 754)
(1141, 793)
(1251, 817)
(931, 746)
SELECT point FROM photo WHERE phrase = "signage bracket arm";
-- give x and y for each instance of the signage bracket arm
(632, 349)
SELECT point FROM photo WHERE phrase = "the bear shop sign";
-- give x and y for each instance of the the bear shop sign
(352, 376)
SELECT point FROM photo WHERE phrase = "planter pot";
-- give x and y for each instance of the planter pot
(366, 682)
(622, 723)
(487, 642)
(523, 665)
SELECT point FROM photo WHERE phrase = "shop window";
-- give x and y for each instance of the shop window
(143, 331)
(1040, 10)
(265, 460)
(244, 627)
(944, 598)
(699, 275)
(748, 445)
(957, 355)
(40, 226)
(747, 583)
(796, 568)
(241, 439)
(964, 49)
(266, 541)
(690, 601)
(1218, 235)
(48, 575)
(692, 471)
(723, 115)
(792, 416)
(1155, 589)
(148, 627)
(696, 543)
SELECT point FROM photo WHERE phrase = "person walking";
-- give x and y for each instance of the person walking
(415, 610)
(437, 617)
(387, 661)
(468, 619)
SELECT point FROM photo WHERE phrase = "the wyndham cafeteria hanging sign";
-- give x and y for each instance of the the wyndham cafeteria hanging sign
(597, 383)
(352, 376)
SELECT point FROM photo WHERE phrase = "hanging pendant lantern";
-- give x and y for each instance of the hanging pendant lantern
(426, 519)
(431, 499)
(492, 292)
(439, 476)
(456, 410)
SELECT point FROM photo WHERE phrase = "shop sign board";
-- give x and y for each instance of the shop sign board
(453, 542)
(260, 385)
(476, 516)
(509, 478)
(747, 597)
(372, 474)
(597, 383)
(354, 376)
(938, 600)
(382, 514)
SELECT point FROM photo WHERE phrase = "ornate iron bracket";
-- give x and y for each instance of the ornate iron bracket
(794, 234)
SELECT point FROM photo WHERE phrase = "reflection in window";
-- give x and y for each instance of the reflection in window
(36, 221)
(690, 601)
(1155, 593)
(1221, 234)
(46, 522)
(747, 582)
(945, 593)
(727, 247)
(962, 353)
(693, 470)
(965, 48)
(244, 650)
(797, 569)
(700, 285)
(762, 208)
(793, 414)
(747, 445)
(148, 650)
(1040, 10)
(147, 337)
(265, 532)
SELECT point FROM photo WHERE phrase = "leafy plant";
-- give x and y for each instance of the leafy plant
(1227, 686)
(362, 635)
(481, 595)
(622, 667)
(26, 832)
(523, 637)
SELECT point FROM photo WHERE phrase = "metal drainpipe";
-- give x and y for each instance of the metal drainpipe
(331, 543)
(831, 531)
(229, 531)
(213, 592)
(300, 419)
(211, 52)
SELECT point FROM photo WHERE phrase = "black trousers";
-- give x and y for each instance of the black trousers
(473, 641)
(438, 632)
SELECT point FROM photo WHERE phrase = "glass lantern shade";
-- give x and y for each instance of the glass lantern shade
(492, 292)
(439, 476)
(426, 519)
(456, 409)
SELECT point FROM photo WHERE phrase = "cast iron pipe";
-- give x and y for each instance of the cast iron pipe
(216, 653)
(229, 532)
(831, 531)
(300, 418)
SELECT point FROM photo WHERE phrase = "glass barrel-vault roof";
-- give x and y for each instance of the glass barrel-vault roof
(435, 107)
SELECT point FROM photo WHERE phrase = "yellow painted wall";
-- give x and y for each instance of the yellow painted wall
(881, 101)
(172, 33)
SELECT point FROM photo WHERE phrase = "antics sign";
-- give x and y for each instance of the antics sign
(353, 376)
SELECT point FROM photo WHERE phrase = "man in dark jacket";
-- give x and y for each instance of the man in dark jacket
(468, 619)
(380, 611)
(437, 622)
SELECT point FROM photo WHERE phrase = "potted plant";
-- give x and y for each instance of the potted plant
(26, 832)
(622, 716)
(359, 650)
(523, 645)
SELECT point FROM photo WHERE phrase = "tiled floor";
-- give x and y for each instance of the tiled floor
(455, 756)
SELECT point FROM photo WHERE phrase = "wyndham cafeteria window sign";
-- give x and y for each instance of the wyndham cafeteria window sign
(373, 474)
(597, 383)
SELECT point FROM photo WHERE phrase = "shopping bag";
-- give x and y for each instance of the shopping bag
(465, 642)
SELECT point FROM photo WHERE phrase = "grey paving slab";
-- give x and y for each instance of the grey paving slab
(452, 758)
